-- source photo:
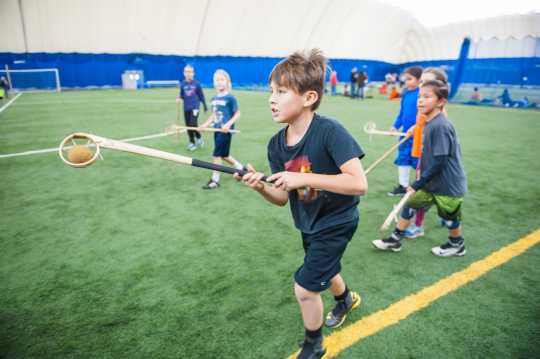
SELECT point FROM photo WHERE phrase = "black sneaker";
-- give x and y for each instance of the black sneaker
(448, 250)
(388, 244)
(399, 190)
(343, 307)
(211, 185)
(312, 349)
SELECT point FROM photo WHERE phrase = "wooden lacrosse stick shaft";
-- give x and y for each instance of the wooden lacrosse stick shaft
(146, 151)
(390, 150)
(371, 129)
(206, 129)
(385, 133)
(178, 104)
(393, 214)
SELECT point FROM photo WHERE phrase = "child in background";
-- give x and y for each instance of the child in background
(333, 82)
(417, 229)
(192, 95)
(316, 166)
(4, 88)
(405, 120)
(225, 113)
(394, 94)
(442, 183)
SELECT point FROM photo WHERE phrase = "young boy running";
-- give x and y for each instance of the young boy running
(316, 167)
(442, 182)
(405, 120)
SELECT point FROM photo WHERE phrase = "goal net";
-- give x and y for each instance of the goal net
(32, 79)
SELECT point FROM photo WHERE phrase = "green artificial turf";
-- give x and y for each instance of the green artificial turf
(131, 258)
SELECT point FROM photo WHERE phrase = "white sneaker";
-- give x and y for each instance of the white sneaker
(388, 244)
(192, 147)
(448, 250)
(199, 142)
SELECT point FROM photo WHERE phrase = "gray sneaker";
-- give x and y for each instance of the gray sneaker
(199, 142)
(343, 307)
(191, 147)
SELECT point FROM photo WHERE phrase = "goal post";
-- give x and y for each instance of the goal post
(32, 80)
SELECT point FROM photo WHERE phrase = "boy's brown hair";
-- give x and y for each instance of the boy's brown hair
(439, 88)
(302, 72)
(414, 71)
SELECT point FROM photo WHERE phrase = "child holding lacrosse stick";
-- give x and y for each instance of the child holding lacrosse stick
(316, 167)
(225, 113)
(417, 229)
(442, 182)
(405, 120)
(192, 95)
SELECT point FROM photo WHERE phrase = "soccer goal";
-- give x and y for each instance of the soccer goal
(32, 80)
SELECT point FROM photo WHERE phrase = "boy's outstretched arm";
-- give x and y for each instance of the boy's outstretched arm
(351, 180)
(270, 193)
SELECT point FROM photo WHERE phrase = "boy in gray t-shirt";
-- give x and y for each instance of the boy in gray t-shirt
(443, 182)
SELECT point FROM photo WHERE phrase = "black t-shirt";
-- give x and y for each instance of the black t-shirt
(324, 148)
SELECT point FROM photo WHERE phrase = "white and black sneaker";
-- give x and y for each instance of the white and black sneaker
(388, 244)
(448, 250)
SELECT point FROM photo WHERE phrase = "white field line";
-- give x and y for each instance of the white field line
(64, 102)
(55, 149)
(10, 102)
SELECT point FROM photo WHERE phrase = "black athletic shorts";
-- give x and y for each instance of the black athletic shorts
(323, 252)
(222, 144)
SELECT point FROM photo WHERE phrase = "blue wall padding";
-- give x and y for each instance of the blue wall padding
(84, 70)
(509, 71)
(461, 64)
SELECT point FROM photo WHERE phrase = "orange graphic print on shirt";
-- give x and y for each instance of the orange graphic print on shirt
(301, 164)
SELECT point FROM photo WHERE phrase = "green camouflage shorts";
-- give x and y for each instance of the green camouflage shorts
(448, 208)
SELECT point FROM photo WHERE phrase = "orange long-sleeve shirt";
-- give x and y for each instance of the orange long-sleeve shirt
(417, 135)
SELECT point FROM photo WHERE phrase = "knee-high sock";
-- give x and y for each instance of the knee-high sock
(404, 175)
(236, 164)
(419, 219)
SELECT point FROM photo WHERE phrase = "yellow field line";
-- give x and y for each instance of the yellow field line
(373, 323)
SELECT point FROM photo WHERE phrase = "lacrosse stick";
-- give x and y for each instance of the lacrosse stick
(99, 142)
(393, 215)
(390, 150)
(371, 129)
(201, 129)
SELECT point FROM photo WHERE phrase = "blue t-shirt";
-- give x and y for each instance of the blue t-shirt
(407, 116)
(407, 113)
(192, 94)
(223, 108)
(324, 148)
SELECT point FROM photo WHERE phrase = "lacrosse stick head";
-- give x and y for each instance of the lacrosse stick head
(79, 154)
(369, 128)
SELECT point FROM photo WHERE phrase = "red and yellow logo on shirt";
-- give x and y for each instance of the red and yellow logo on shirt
(301, 164)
